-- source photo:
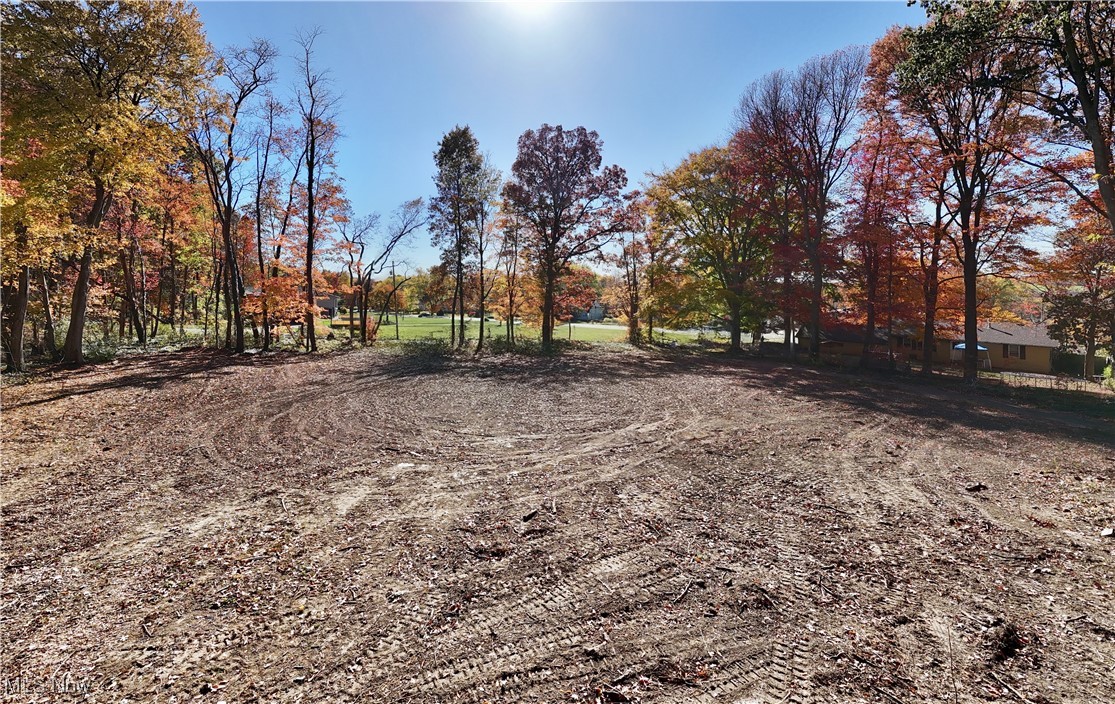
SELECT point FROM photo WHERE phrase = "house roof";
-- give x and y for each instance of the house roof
(1013, 334)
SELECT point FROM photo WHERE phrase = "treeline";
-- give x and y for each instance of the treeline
(894, 187)
(898, 186)
(151, 183)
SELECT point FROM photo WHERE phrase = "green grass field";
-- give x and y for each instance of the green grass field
(415, 328)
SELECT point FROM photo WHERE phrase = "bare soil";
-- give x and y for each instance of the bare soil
(602, 526)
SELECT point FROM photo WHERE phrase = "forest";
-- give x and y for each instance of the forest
(157, 188)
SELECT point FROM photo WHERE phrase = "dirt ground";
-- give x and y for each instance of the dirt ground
(603, 526)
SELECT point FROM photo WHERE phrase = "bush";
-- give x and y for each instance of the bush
(101, 350)
(532, 346)
(427, 347)
(1109, 377)
(500, 345)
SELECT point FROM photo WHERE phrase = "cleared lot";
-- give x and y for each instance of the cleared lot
(617, 526)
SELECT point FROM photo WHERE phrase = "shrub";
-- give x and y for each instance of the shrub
(427, 347)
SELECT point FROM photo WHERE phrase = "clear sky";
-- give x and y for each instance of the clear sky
(657, 80)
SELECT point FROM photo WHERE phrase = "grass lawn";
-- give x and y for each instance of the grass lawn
(414, 328)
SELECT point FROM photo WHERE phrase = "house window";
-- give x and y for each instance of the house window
(1016, 351)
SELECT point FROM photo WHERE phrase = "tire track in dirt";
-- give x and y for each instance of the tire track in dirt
(425, 583)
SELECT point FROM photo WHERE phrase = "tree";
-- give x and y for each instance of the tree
(317, 107)
(406, 220)
(948, 80)
(32, 233)
(625, 292)
(570, 205)
(802, 124)
(355, 235)
(100, 84)
(783, 212)
(279, 154)
(484, 215)
(715, 206)
(460, 214)
(924, 183)
(510, 230)
(1082, 301)
(1062, 66)
(215, 141)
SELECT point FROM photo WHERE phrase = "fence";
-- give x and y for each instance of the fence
(1046, 381)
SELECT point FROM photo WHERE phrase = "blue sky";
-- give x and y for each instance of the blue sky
(657, 80)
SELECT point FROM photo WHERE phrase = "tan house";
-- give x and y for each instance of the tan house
(1003, 346)
(1007, 347)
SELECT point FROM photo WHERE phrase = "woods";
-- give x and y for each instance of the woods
(153, 183)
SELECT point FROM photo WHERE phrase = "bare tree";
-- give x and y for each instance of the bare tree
(317, 107)
(407, 219)
(488, 183)
(220, 153)
(509, 252)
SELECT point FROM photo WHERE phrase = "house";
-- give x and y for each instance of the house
(595, 313)
(1014, 348)
(1008, 347)
(328, 305)
(843, 340)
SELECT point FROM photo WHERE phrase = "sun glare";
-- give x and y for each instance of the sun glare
(529, 9)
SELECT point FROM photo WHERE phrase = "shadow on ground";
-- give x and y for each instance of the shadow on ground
(943, 404)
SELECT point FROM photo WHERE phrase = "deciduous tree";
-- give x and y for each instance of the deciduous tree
(571, 207)
(100, 84)
(716, 208)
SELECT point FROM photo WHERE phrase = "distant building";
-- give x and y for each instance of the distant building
(328, 305)
(594, 314)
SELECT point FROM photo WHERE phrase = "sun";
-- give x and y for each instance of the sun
(529, 9)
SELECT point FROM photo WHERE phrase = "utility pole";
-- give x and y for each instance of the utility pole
(395, 300)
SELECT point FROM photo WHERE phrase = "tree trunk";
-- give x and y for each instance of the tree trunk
(736, 329)
(311, 164)
(228, 305)
(453, 318)
(480, 342)
(869, 329)
(49, 337)
(173, 291)
(928, 335)
(461, 295)
(135, 322)
(233, 292)
(72, 352)
(971, 319)
(352, 312)
(16, 322)
(815, 307)
(548, 312)
(787, 311)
